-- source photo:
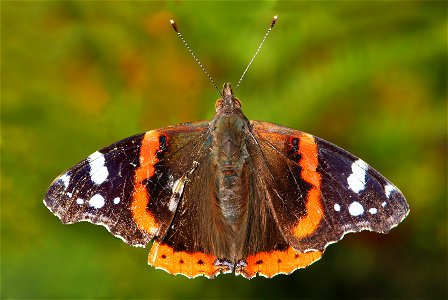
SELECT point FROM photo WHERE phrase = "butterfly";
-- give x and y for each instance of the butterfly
(227, 196)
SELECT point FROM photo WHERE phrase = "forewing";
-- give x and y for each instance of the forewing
(318, 191)
(128, 186)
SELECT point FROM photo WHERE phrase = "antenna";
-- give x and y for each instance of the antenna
(174, 25)
(274, 19)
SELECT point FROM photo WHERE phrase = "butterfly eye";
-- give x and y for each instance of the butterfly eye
(237, 103)
(218, 105)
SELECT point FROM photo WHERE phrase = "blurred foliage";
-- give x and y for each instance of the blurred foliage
(370, 76)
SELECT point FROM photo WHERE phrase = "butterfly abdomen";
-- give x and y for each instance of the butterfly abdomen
(230, 158)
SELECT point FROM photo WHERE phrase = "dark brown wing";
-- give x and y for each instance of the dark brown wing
(317, 191)
(265, 250)
(128, 186)
(197, 237)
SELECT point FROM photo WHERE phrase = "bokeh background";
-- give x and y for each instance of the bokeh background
(76, 76)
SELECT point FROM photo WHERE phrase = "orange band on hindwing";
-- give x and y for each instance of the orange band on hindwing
(276, 262)
(140, 198)
(179, 262)
(308, 224)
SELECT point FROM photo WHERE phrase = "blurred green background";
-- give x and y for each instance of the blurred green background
(76, 76)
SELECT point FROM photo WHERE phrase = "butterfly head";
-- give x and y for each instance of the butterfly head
(227, 104)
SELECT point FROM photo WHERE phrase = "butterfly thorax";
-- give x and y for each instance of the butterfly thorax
(229, 155)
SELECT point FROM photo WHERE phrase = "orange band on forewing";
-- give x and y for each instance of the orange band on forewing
(140, 198)
(189, 264)
(275, 262)
(308, 224)
(309, 161)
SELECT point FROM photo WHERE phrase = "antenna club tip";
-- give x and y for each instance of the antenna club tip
(174, 25)
(274, 19)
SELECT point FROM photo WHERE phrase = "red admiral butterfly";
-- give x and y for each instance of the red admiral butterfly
(227, 196)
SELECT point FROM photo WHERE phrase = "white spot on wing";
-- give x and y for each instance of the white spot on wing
(69, 194)
(388, 189)
(173, 203)
(174, 185)
(79, 201)
(355, 209)
(357, 180)
(337, 207)
(384, 204)
(116, 200)
(98, 171)
(97, 201)
(178, 188)
(65, 180)
(373, 211)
